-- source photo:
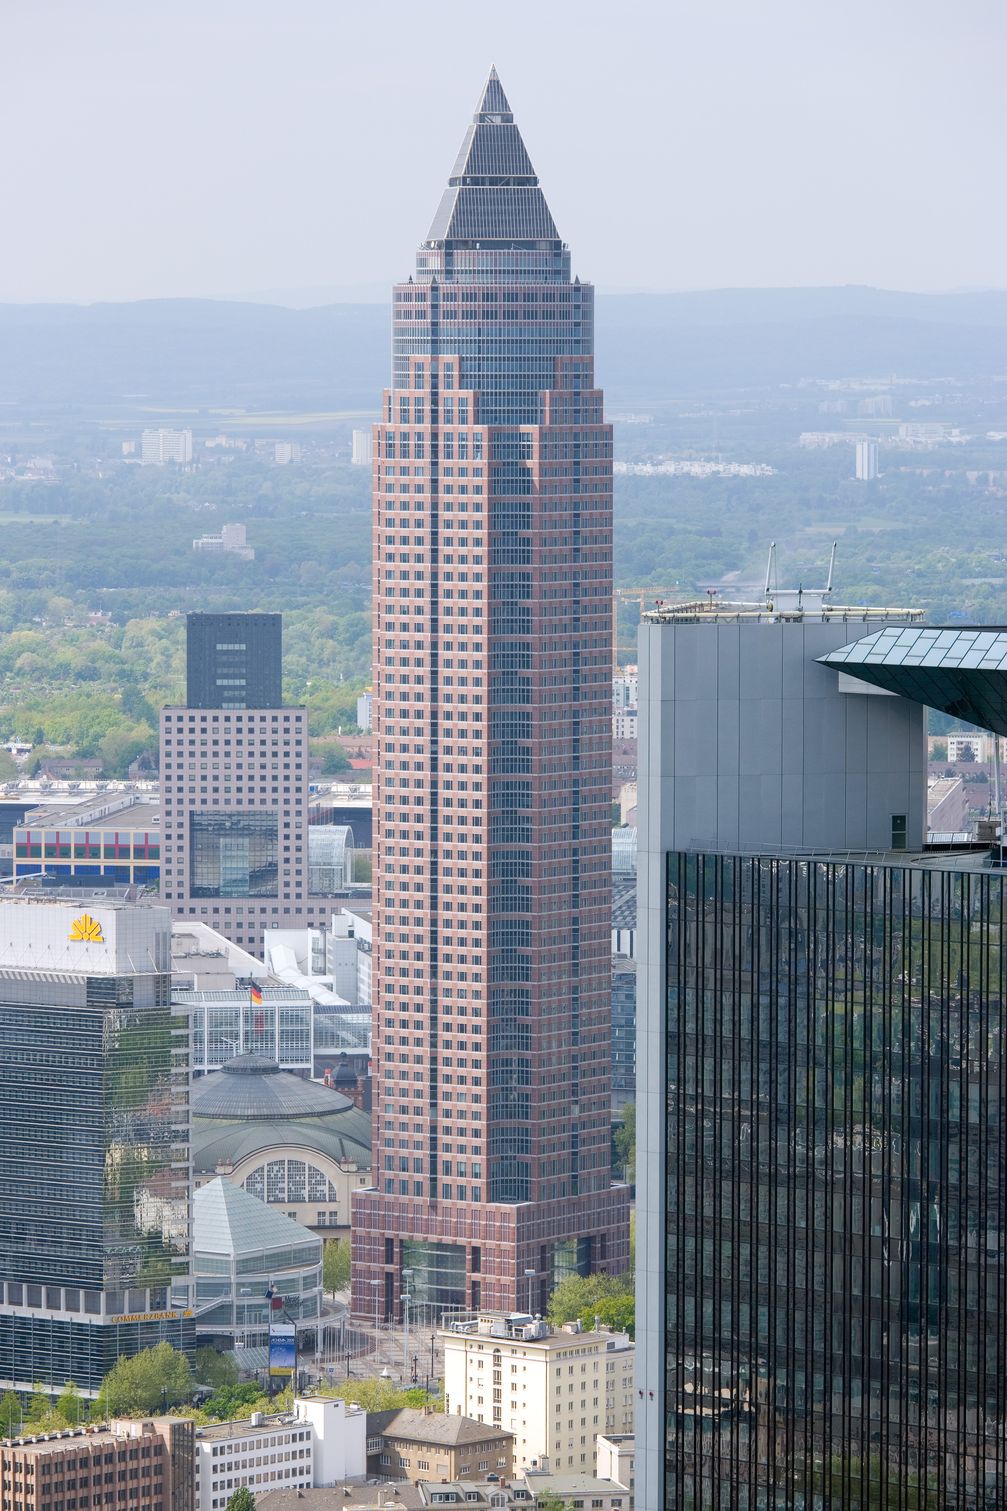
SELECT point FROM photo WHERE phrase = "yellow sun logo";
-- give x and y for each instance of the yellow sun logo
(86, 930)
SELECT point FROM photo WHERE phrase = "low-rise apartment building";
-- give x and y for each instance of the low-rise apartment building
(431, 1445)
(321, 1442)
(146, 1465)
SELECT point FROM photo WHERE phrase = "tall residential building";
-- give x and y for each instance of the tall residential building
(492, 648)
(363, 448)
(823, 1217)
(234, 786)
(867, 461)
(160, 446)
(555, 1389)
(94, 1139)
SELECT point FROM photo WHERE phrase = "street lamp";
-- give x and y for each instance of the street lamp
(530, 1276)
(405, 1298)
(407, 1276)
(245, 1290)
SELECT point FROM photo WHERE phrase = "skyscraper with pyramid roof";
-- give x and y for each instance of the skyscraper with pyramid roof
(492, 647)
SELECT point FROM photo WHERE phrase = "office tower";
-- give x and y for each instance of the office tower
(492, 705)
(867, 461)
(94, 1139)
(234, 786)
(234, 660)
(823, 1164)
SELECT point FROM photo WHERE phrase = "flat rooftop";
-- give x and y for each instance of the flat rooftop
(967, 855)
(777, 609)
(94, 813)
(244, 1427)
(98, 1436)
(522, 1328)
(33, 889)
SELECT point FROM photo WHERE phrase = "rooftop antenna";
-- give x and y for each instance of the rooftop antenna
(792, 600)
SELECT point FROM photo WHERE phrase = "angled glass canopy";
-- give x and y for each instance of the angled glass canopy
(961, 672)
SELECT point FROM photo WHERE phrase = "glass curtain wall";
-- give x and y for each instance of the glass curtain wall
(836, 1192)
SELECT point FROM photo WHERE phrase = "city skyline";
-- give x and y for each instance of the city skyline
(768, 148)
(491, 1185)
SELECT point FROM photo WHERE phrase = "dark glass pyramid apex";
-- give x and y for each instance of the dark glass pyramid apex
(493, 193)
(494, 103)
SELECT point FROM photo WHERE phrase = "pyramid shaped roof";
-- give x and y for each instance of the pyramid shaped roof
(493, 193)
(227, 1220)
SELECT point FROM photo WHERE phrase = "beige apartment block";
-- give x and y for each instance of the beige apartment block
(554, 1389)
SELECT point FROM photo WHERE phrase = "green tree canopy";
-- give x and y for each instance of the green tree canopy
(580, 1296)
(10, 1414)
(616, 1312)
(147, 1382)
(70, 1405)
(39, 1404)
(336, 1265)
(380, 1395)
(233, 1401)
(241, 1500)
(625, 1141)
(216, 1369)
(334, 759)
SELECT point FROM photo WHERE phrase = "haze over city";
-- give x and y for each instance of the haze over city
(237, 149)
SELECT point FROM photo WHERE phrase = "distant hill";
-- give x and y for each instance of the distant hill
(219, 354)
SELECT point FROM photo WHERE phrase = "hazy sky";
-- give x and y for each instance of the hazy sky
(225, 147)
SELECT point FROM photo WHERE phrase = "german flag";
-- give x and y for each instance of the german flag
(254, 994)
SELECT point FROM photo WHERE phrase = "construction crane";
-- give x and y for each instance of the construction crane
(642, 597)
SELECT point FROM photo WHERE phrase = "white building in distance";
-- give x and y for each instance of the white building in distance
(624, 724)
(363, 448)
(232, 540)
(158, 447)
(555, 1390)
(867, 461)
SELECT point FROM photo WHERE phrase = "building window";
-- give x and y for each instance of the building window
(234, 854)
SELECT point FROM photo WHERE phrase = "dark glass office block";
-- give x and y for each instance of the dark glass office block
(836, 1184)
(233, 660)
